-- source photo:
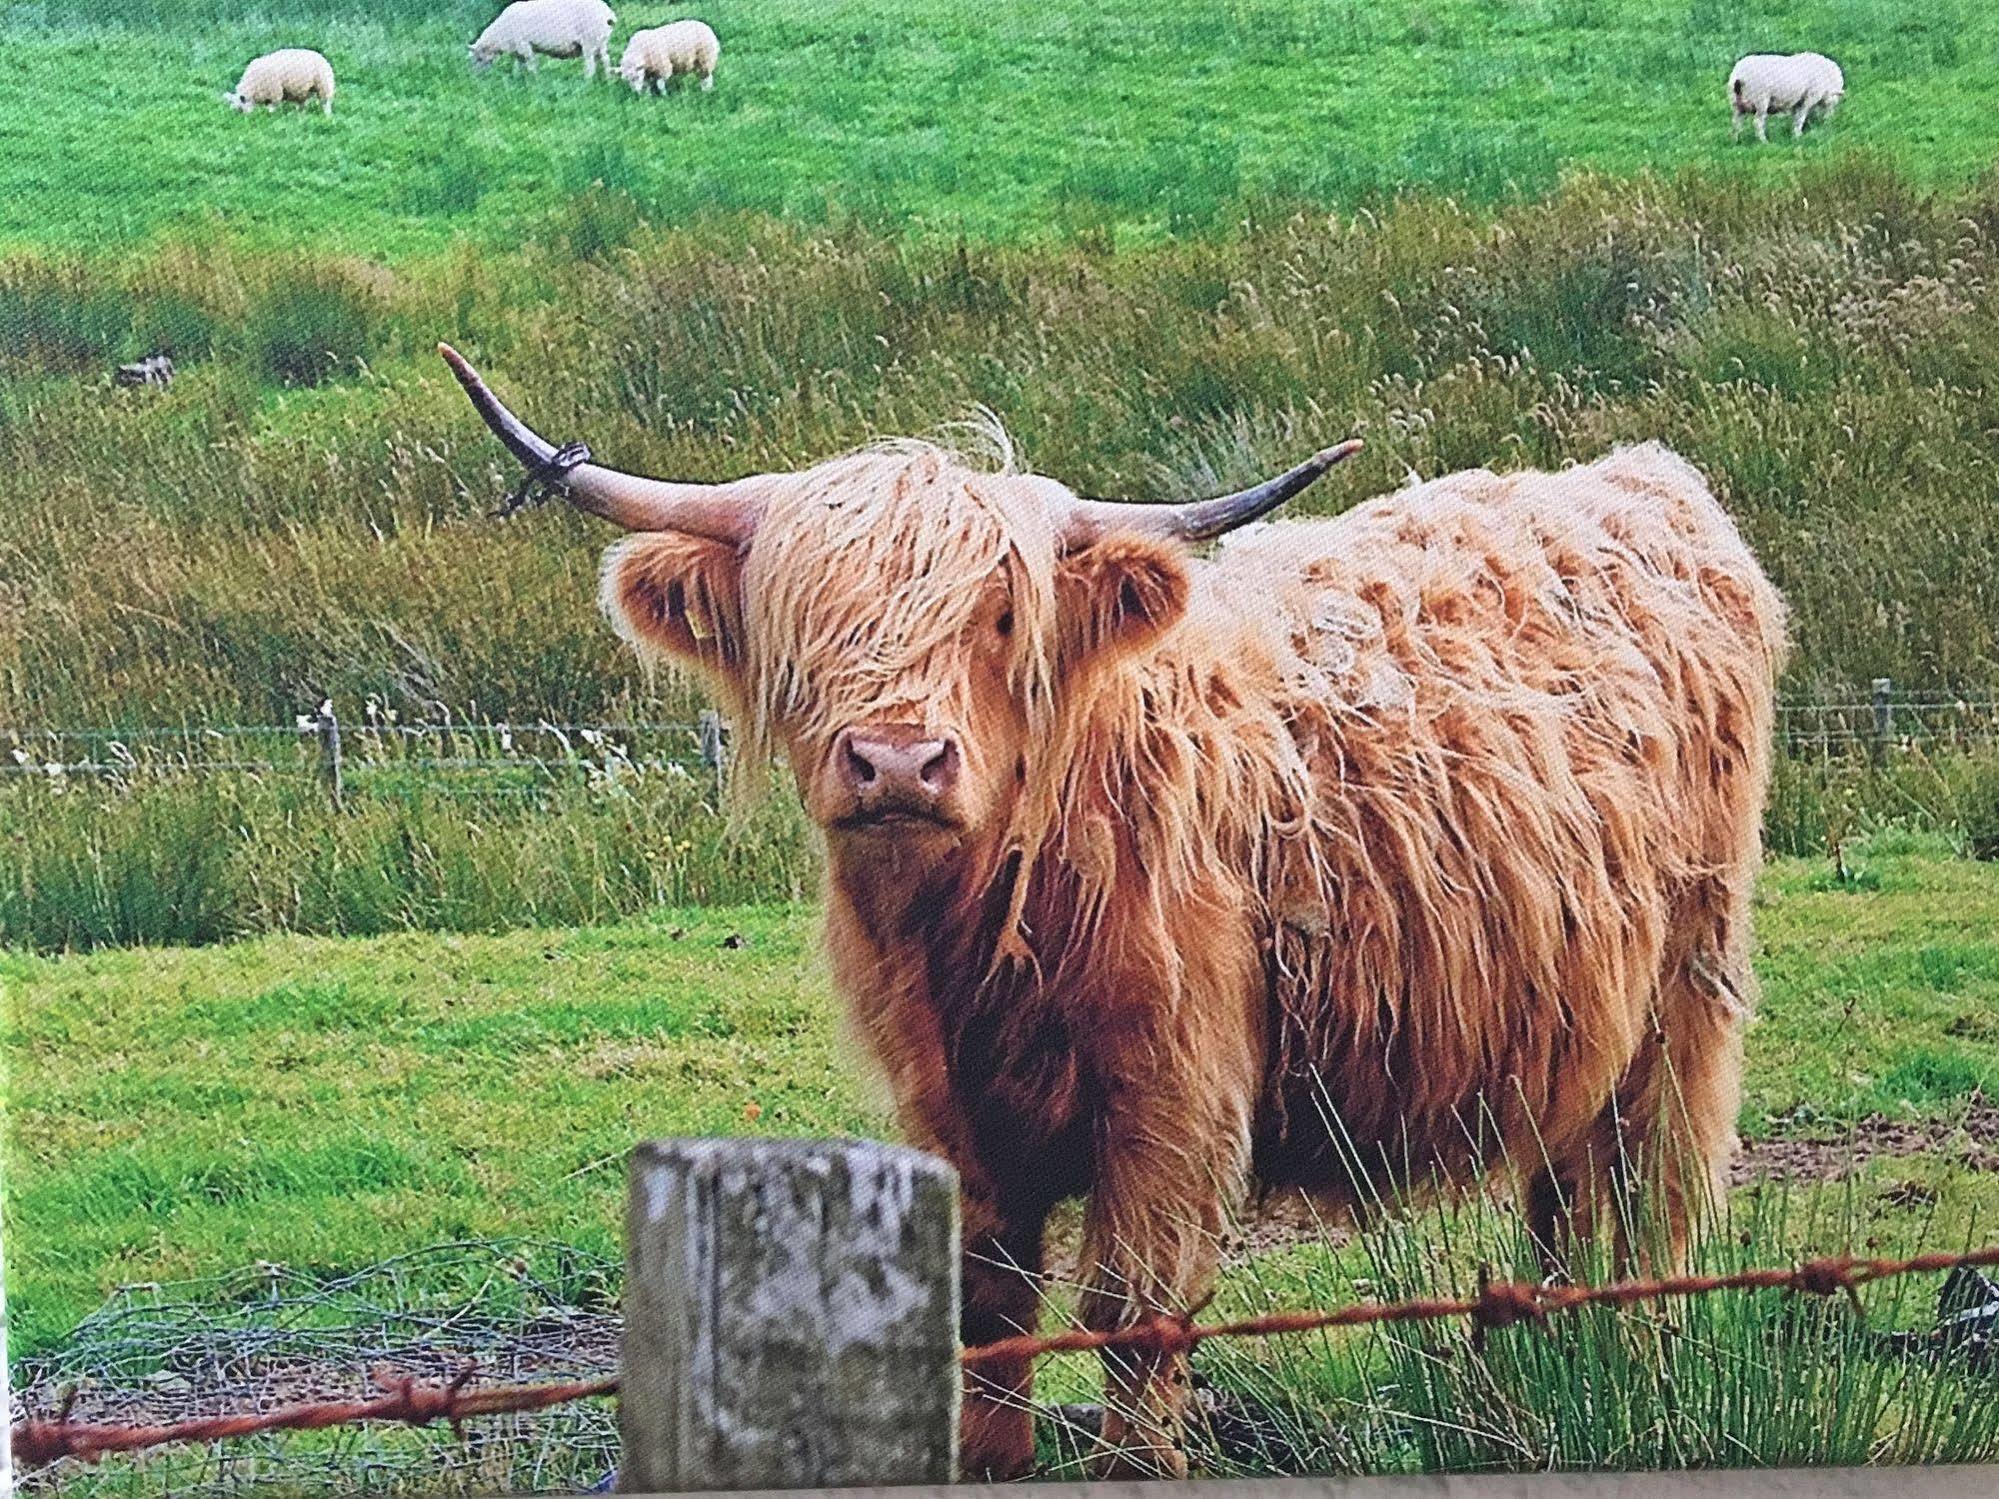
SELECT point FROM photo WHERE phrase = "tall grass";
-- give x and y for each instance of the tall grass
(159, 855)
(210, 856)
(303, 514)
(238, 546)
(1733, 1379)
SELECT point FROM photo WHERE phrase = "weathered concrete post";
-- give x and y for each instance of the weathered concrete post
(791, 1316)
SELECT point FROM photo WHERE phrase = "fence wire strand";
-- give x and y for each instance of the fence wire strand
(410, 1401)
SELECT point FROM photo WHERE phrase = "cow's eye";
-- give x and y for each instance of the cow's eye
(1005, 622)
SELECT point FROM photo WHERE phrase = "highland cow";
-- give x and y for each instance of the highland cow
(1369, 855)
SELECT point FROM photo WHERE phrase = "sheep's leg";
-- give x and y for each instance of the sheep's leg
(1735, 125)
(707, 82)
(1762, 120)
(1801, 114)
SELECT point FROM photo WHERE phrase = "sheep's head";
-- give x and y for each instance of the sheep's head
(482, 57)
(633, 73)
(237, 102)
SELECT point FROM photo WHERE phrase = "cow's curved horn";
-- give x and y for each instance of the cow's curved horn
(720, 512)
(1202, 520)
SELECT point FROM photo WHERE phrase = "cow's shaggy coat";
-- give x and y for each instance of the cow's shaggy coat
(1370, 854)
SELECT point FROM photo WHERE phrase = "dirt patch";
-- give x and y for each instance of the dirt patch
(202, 1380)
(1972, 1140)
(1289, 1218)
(1282, 1220)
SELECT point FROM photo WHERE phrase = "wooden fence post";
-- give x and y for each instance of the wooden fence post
(1884, 715)
(709, 731)
(329, 750)
(791, 1316)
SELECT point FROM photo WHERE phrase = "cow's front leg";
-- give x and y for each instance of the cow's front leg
(1151, 1243)
(1002, 1257)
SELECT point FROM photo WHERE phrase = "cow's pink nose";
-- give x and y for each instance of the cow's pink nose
(896, 765)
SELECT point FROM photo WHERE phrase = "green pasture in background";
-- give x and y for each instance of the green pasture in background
(1003, 120)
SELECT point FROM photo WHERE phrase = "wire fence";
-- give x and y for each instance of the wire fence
(483, 757)
(270, 1337)
(448, 757)
(412, 1401)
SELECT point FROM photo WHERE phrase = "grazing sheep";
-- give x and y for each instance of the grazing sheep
(654, 58)
(293, 75)
(1767, 82)
(553, 28)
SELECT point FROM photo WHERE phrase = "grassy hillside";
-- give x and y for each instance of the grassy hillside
(1004, 120)
(325, 1103)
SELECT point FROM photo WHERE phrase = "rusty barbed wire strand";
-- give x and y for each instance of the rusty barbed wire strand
(1498, 1304)
(407, 1402)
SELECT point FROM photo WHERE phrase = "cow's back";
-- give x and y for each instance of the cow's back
(1537, 714)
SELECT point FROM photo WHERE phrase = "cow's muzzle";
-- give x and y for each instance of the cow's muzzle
(891, 776)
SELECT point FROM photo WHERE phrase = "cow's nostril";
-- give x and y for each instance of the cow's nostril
(939, 769)
(860, 769)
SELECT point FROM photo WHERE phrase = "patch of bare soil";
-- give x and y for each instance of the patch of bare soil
(1289, 1218)
(1972, 1140)
(206, 1377)
(1281, 1220)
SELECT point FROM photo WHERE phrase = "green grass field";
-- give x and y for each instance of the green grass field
(1170, 247)
(326, 1103)
(1002, 120)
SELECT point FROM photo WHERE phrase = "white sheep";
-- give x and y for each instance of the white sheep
(654, 58)
(292, 75)
(553, 28)
(1769, 82)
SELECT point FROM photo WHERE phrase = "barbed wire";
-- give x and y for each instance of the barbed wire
(1805, 726)
(1498, 1304)
(409, 1402)
(1961, 704)
(362, 727)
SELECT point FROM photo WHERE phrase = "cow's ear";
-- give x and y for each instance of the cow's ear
(683, 595)
(1117, 594)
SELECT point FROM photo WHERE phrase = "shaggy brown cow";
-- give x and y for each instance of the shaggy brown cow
(1373, 853)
